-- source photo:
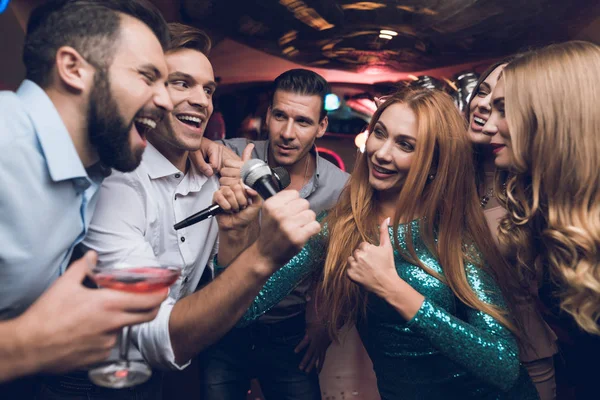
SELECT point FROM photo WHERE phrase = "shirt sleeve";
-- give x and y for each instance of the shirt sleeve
(117, 232)
(477, 341)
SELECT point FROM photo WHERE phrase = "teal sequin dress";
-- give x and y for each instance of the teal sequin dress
(446, 351)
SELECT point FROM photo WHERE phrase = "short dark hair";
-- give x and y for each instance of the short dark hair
(304, 82)
(188, 37)
(89, 26)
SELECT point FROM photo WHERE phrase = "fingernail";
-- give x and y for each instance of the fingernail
(387, 221)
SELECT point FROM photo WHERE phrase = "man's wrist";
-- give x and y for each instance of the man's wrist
(230, 247)
(18, 350)
(262, 266)
(234, 234)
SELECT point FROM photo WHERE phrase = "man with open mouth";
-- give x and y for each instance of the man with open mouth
(94, 87)
(137, 210)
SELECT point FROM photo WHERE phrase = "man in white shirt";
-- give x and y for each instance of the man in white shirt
(136, 213)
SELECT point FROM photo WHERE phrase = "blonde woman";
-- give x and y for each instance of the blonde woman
(423, 291)
(538, 344)
(545, 114)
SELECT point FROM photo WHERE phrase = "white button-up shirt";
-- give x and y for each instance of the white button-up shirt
(135, 215)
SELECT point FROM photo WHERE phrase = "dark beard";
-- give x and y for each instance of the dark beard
(107, 130)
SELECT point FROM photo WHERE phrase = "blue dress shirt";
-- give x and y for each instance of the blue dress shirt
(46, 197)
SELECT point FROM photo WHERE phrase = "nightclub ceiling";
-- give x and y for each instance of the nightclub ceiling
(391, 35)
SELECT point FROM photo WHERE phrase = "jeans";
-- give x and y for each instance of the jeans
(76, 386)
(261, 351)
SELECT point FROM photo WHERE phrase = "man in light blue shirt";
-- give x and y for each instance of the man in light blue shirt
(95, 86)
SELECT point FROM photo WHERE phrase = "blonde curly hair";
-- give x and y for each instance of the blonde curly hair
(552, 193)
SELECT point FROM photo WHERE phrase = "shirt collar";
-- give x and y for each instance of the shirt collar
(57, 146)
(156, 164)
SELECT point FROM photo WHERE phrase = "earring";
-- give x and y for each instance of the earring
(430, 177)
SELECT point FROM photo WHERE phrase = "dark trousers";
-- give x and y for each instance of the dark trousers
(77, 386)
(261, 351)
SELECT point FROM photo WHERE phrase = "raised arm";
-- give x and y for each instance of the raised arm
(308, 261)
(288, 223)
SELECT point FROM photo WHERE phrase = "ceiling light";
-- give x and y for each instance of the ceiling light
(388, 32)
(383, 36)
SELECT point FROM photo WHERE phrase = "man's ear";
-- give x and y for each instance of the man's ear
(72, 70)
(323, 126)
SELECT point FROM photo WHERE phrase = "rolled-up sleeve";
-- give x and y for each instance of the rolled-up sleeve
(154, 342)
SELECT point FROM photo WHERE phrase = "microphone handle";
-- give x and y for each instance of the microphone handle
(199, 216)
(265, 187)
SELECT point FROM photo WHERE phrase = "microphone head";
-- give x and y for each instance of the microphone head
(282, 177)
(253, 170)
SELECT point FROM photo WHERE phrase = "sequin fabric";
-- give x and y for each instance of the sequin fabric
(447, 350)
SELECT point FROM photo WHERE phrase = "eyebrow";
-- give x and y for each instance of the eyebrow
(487, 85)
(188, 77)
(152, 69)
(400, 136)
(303, 117)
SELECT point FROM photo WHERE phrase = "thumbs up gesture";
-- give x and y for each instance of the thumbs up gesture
(230, 171)
(373, 266)
(238, 225)
(240, 203)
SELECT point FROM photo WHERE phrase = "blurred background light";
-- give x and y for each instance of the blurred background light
(3, 5)
(332, 102)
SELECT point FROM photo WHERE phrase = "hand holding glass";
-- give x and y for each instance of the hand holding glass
(137, 275)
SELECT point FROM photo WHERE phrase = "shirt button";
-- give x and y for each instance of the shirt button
(177, 176)
(182, 239)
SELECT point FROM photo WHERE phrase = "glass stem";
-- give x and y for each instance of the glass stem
(124, 344)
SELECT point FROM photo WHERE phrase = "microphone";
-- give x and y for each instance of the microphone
(256, 174)
(282, 177)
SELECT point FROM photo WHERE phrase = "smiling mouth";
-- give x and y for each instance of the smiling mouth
(479, 121)
(382, 170)
(190, 120)
(144, 125)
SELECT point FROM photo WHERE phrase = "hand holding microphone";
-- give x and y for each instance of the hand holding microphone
(286, 221)
(255, 174)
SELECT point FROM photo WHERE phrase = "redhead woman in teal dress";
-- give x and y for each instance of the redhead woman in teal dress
(406, 255)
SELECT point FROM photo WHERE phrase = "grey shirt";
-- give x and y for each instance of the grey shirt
(322, 192)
